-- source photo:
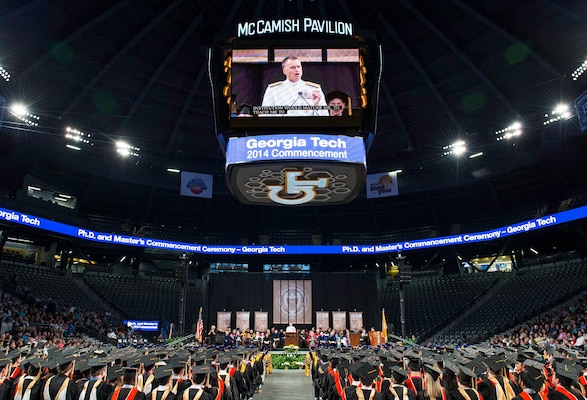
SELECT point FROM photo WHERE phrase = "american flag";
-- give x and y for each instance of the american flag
(200, 327)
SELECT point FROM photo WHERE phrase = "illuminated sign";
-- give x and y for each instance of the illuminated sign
(145, 326)
(473, 237)
(293, 25)
(295, 147)
(295, 170)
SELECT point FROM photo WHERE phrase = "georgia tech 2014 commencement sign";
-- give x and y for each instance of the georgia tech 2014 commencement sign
(295, 169)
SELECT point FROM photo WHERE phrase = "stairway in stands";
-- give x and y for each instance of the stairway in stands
(101, 303)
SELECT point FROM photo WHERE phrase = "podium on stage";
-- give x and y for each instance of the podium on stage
(376, 338)
(355, 339)
(291, 339)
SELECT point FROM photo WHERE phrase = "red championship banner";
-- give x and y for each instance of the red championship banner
(339, 320)
(261, 321)
(243, 320)
(356, 318)
(322, 320)
(292, 301)
(223, 320)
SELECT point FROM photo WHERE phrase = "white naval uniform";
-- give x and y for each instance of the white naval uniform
(286, 93)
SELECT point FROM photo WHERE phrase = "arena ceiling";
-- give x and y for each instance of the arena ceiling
(138, 71)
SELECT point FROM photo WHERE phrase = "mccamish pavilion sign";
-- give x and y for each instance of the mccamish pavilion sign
(294, 25)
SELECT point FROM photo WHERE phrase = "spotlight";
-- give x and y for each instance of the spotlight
(78, 136)
(560, 112)
(4, 74)
(510, 132)
(20, 112)
(457, 148)
(125, 149)
(576, 74)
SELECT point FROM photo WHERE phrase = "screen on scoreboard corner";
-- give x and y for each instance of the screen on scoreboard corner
(263, 95)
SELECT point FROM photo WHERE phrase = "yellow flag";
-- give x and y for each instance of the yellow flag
(383, 325)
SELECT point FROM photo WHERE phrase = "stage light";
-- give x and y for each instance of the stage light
(77, 136)
(576, 74)
(125, 149)
(173, 170)
(72, 147)
(510, 132)
(476, 155)
(20, 111)
(457, 148)
(560, 112)
(4, 74)
(533, 250)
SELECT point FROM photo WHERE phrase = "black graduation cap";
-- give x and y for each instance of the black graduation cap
(177, 362)
(35, 362)
(97, 364)
(466, 371)
(337, 94)
(567, 369)
(399, 370)
(64, 360)
(149, 360)
(114, 372)
(202, 369)
(364, 371)
(532, 375)
(451, 366)
(162, 372)
(496, 363)
(432, 370)
(224, 359)
(134, 362)
(81, 365)
(4, 362)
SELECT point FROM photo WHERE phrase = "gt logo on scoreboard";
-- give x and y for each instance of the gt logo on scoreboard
(296, 191)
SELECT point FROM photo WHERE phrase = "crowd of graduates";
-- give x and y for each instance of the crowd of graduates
(468, 373)
(111, 373)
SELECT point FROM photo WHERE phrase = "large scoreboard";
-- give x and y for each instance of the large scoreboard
(295, 105)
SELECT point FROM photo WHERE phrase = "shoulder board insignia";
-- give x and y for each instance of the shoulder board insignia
(275, 84)
(312, 84)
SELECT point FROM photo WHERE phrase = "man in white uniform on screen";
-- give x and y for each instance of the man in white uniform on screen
(294, 92)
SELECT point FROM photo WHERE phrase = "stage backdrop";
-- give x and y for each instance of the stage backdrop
(339, 320)
(223, 321)
(243, 319)
(292, 302)
(322, 320)
(332, 291)
(356, 318)
(261, 321)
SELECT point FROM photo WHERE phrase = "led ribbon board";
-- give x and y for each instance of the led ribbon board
(31, 221)
(295, 170)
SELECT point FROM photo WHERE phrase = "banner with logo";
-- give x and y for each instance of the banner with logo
(322, 320)
(196, 185)
(581, 109)
(292, 301)
(223, 320)
(261, 321)
(356, 318)
(339, 320)
(243, 320)
(382, 185)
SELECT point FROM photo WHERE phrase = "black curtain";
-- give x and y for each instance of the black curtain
(330, 292)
